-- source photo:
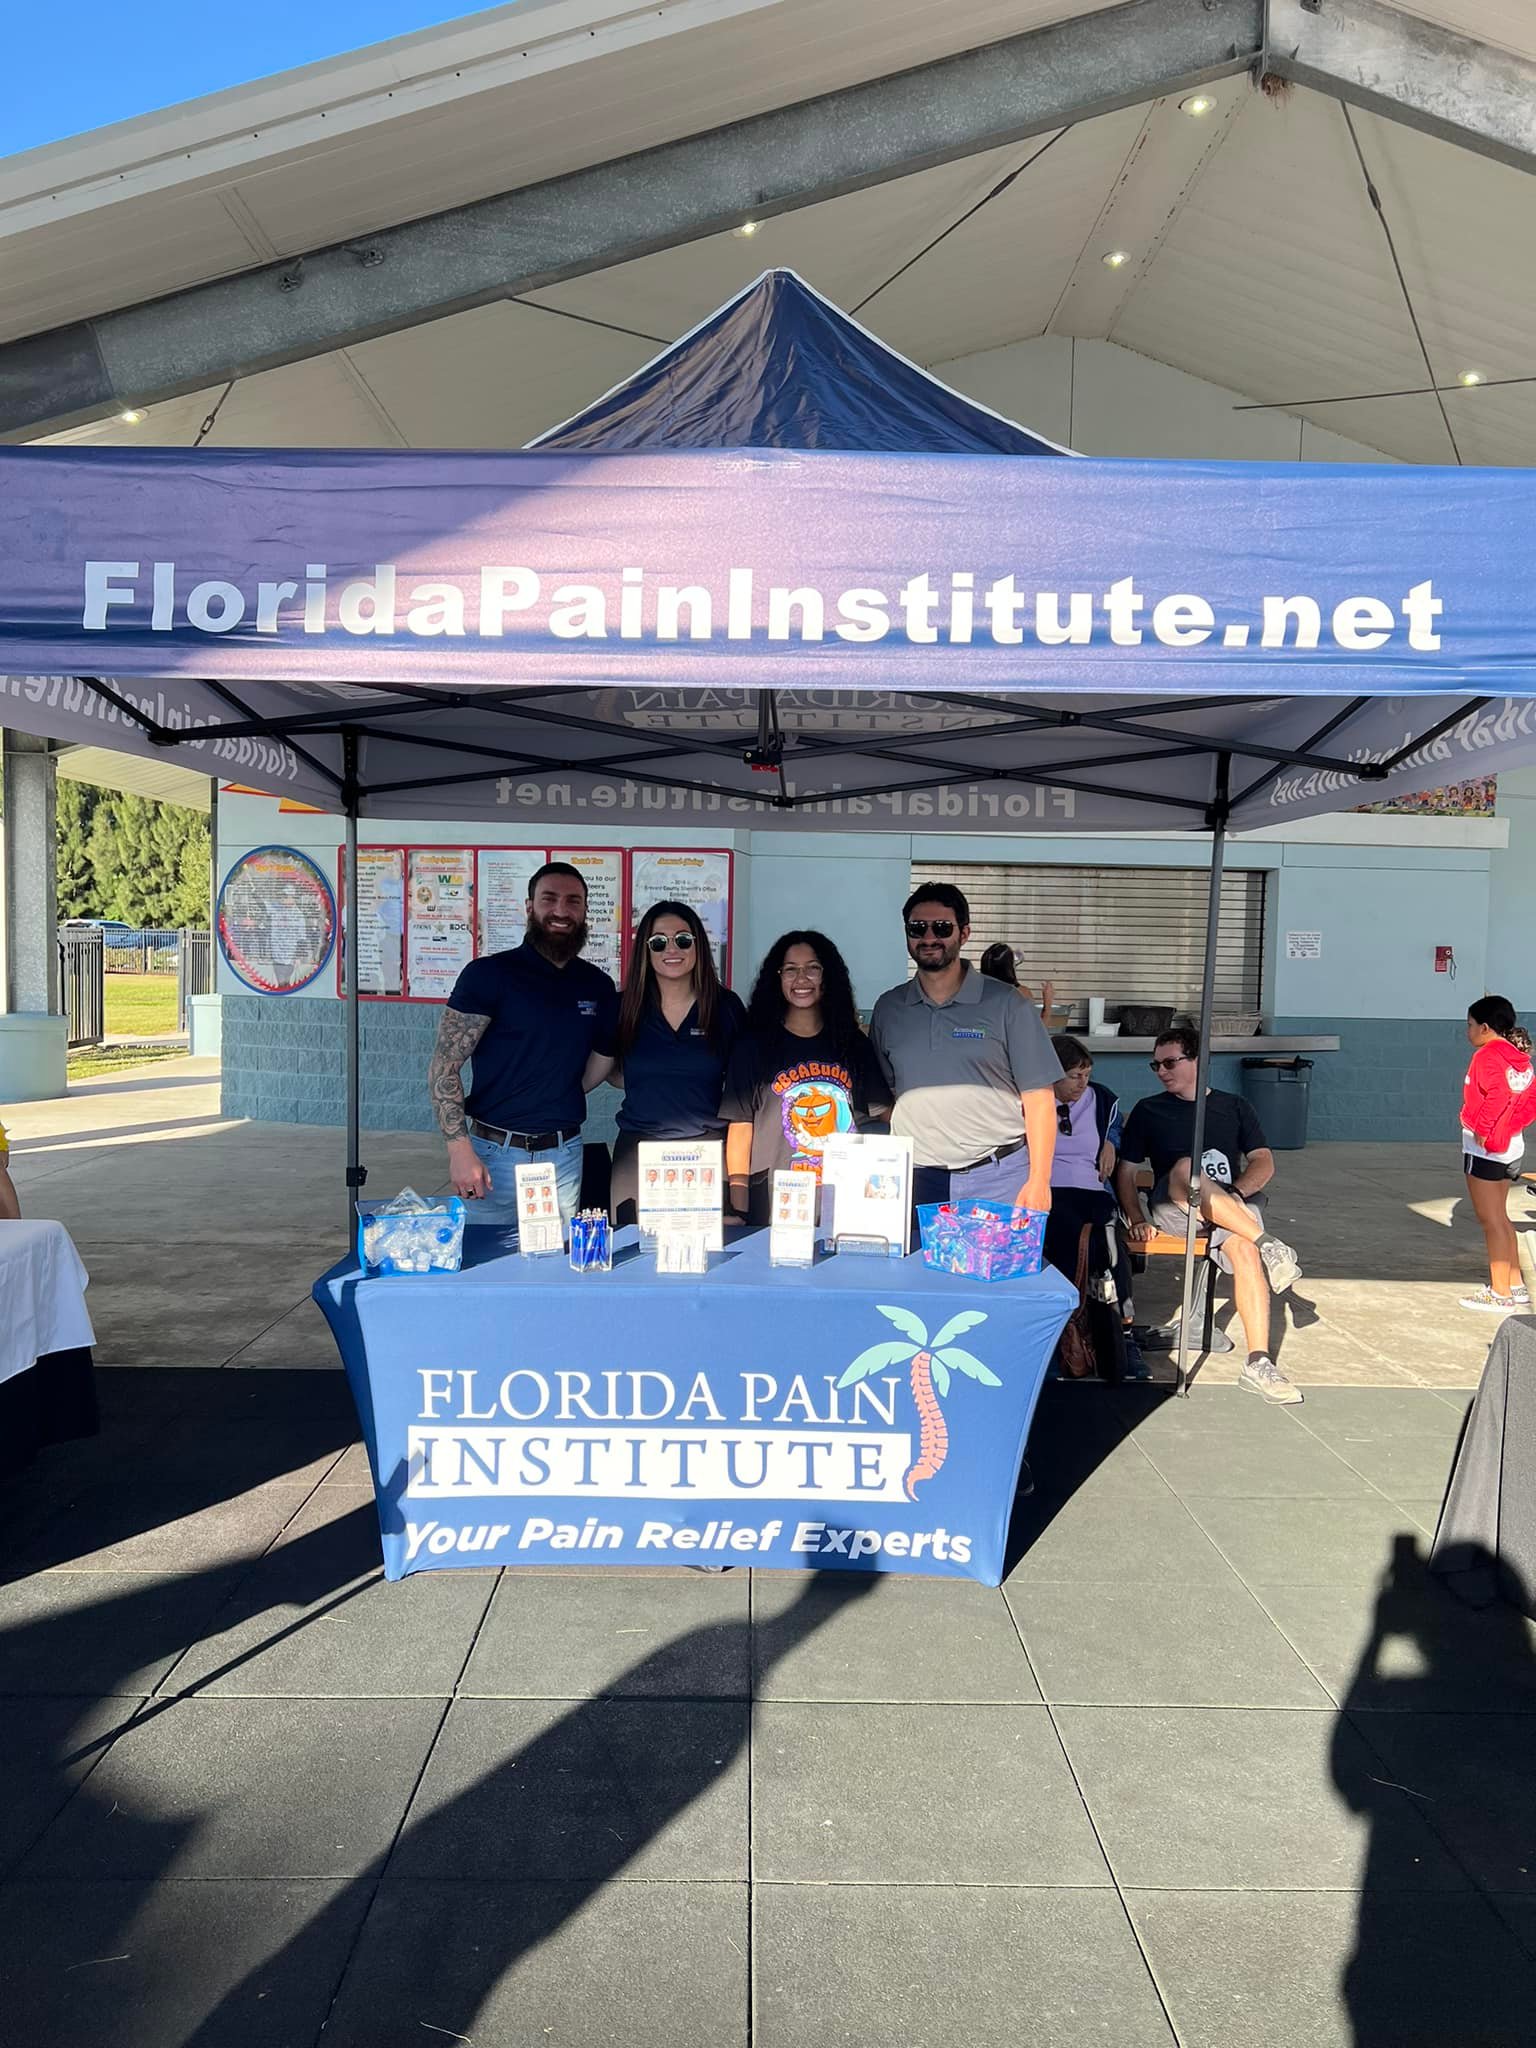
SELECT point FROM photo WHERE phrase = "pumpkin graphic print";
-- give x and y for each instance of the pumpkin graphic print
(816, 1103)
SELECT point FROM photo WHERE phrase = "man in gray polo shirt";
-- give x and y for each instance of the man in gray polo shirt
(972, 1068)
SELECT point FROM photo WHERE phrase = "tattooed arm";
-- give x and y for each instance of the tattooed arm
(457, 1036)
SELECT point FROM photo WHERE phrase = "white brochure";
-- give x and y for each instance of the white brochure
(792, 1219)
(681, 1184)
(866, 1193)
(539, 1228)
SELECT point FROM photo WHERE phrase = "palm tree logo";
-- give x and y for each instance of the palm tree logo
(932, 1363)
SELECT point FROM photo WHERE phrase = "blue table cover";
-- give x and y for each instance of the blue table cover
(865, 1414)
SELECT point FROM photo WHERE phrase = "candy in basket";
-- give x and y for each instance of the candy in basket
(412, 1234)
(981, 1240)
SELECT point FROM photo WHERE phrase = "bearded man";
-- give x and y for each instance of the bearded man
(541, 1026)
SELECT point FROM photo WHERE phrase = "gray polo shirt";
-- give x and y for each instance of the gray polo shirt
(959, 1068)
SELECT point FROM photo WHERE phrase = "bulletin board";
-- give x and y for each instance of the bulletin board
(426, 911)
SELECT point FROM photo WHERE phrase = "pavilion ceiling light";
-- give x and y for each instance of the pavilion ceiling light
(1197, 104)
(1116, 259)
(1470, 377)
(133, 417)
(747, 229)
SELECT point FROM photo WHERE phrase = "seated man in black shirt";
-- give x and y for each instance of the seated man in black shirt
(1235, 1165)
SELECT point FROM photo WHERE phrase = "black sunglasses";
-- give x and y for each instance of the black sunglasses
(941, 927)
(1167, 1066)
(661, 942)
(1064, 1119)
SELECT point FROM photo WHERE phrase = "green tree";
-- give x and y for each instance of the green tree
(75, 869)
(148, 861)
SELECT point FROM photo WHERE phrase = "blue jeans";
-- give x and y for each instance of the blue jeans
(499, 1207)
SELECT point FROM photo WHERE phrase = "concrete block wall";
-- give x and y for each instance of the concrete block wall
(1393, 1078)
(285, 1062)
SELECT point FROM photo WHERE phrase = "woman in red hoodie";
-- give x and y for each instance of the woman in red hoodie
(1497, 1102)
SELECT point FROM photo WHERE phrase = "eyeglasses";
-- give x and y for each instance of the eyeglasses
(811, 973)
(1167, 1066)
(1064, 1119)
(664, 942)
(941, 927)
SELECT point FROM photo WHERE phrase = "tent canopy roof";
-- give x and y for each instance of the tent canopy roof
(779, 366)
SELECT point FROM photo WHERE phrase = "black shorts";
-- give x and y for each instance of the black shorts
(1490, 1169)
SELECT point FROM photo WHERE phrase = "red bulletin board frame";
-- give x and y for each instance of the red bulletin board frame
(406, 848)
(730, 887)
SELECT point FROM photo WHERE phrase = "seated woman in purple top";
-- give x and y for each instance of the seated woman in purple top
(1088, 1131)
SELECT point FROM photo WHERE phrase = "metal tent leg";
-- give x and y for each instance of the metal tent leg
(357, 1173)
(1219, 813)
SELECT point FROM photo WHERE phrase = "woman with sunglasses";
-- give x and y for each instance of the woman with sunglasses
(802, 1072)
(677, 1026)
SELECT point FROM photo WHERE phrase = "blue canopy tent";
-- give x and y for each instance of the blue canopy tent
(780, 576)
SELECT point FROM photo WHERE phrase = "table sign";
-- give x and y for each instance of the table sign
(792, 1219)
(865, 1415)
(866, 1193)
(539, 1227)
(679, 1183)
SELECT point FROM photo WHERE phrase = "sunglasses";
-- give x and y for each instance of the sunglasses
(664, 942)
(1064, 1119)
(1167, 1066)
(941, 927)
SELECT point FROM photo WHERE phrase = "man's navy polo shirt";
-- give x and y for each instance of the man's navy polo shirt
(672, 1079)
(545, 1020)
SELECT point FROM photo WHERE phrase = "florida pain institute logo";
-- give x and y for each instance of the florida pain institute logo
(931, 1361)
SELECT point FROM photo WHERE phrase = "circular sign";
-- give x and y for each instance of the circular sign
(277, 920)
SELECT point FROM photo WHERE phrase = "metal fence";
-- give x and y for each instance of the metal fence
(87, 954)
(194, 973)
(81, 985)
(142, 952)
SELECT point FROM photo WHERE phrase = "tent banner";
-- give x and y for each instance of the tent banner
(764, 567)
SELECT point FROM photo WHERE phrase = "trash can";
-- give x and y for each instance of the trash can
(1280, 1090)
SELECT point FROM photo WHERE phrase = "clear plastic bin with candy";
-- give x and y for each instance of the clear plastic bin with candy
(411, 1234)
(981, 1240)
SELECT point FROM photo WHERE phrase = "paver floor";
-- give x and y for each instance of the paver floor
(1217, 1765)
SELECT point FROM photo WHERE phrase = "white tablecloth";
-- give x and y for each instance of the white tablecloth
(42, 1295)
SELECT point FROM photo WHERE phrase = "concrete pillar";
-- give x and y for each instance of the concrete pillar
(1511, 959)
(33, 1034)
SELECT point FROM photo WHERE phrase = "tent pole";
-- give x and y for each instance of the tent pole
(357, 1173)
(1220, 811)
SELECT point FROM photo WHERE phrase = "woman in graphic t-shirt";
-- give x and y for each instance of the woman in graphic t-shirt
(1497, 1102)
(802, 1071)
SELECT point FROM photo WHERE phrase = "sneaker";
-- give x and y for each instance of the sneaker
(1280, 1263)
(1489, 1303)
(1136, 1367)
(1262, 1376)
(1521, 1297)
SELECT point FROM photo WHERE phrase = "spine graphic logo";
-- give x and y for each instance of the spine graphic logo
(932, 1361)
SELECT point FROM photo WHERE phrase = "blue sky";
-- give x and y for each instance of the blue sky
(89, 62)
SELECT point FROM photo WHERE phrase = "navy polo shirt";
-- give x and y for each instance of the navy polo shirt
(545, 1020)
(672, 1079)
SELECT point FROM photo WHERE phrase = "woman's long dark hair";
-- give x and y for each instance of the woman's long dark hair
(640, 988)
(839, 1012)
(998, 964)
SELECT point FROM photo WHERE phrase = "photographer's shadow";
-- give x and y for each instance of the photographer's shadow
(1445, 1699)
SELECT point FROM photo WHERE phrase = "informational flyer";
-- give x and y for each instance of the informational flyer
(792, 1219)
(539, 1228)
(380, 920)
(603, 872)
(680, 1185)
(1303, 945)
(505, 872)
(866, 1193)
(440, 938)
(700, 879)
